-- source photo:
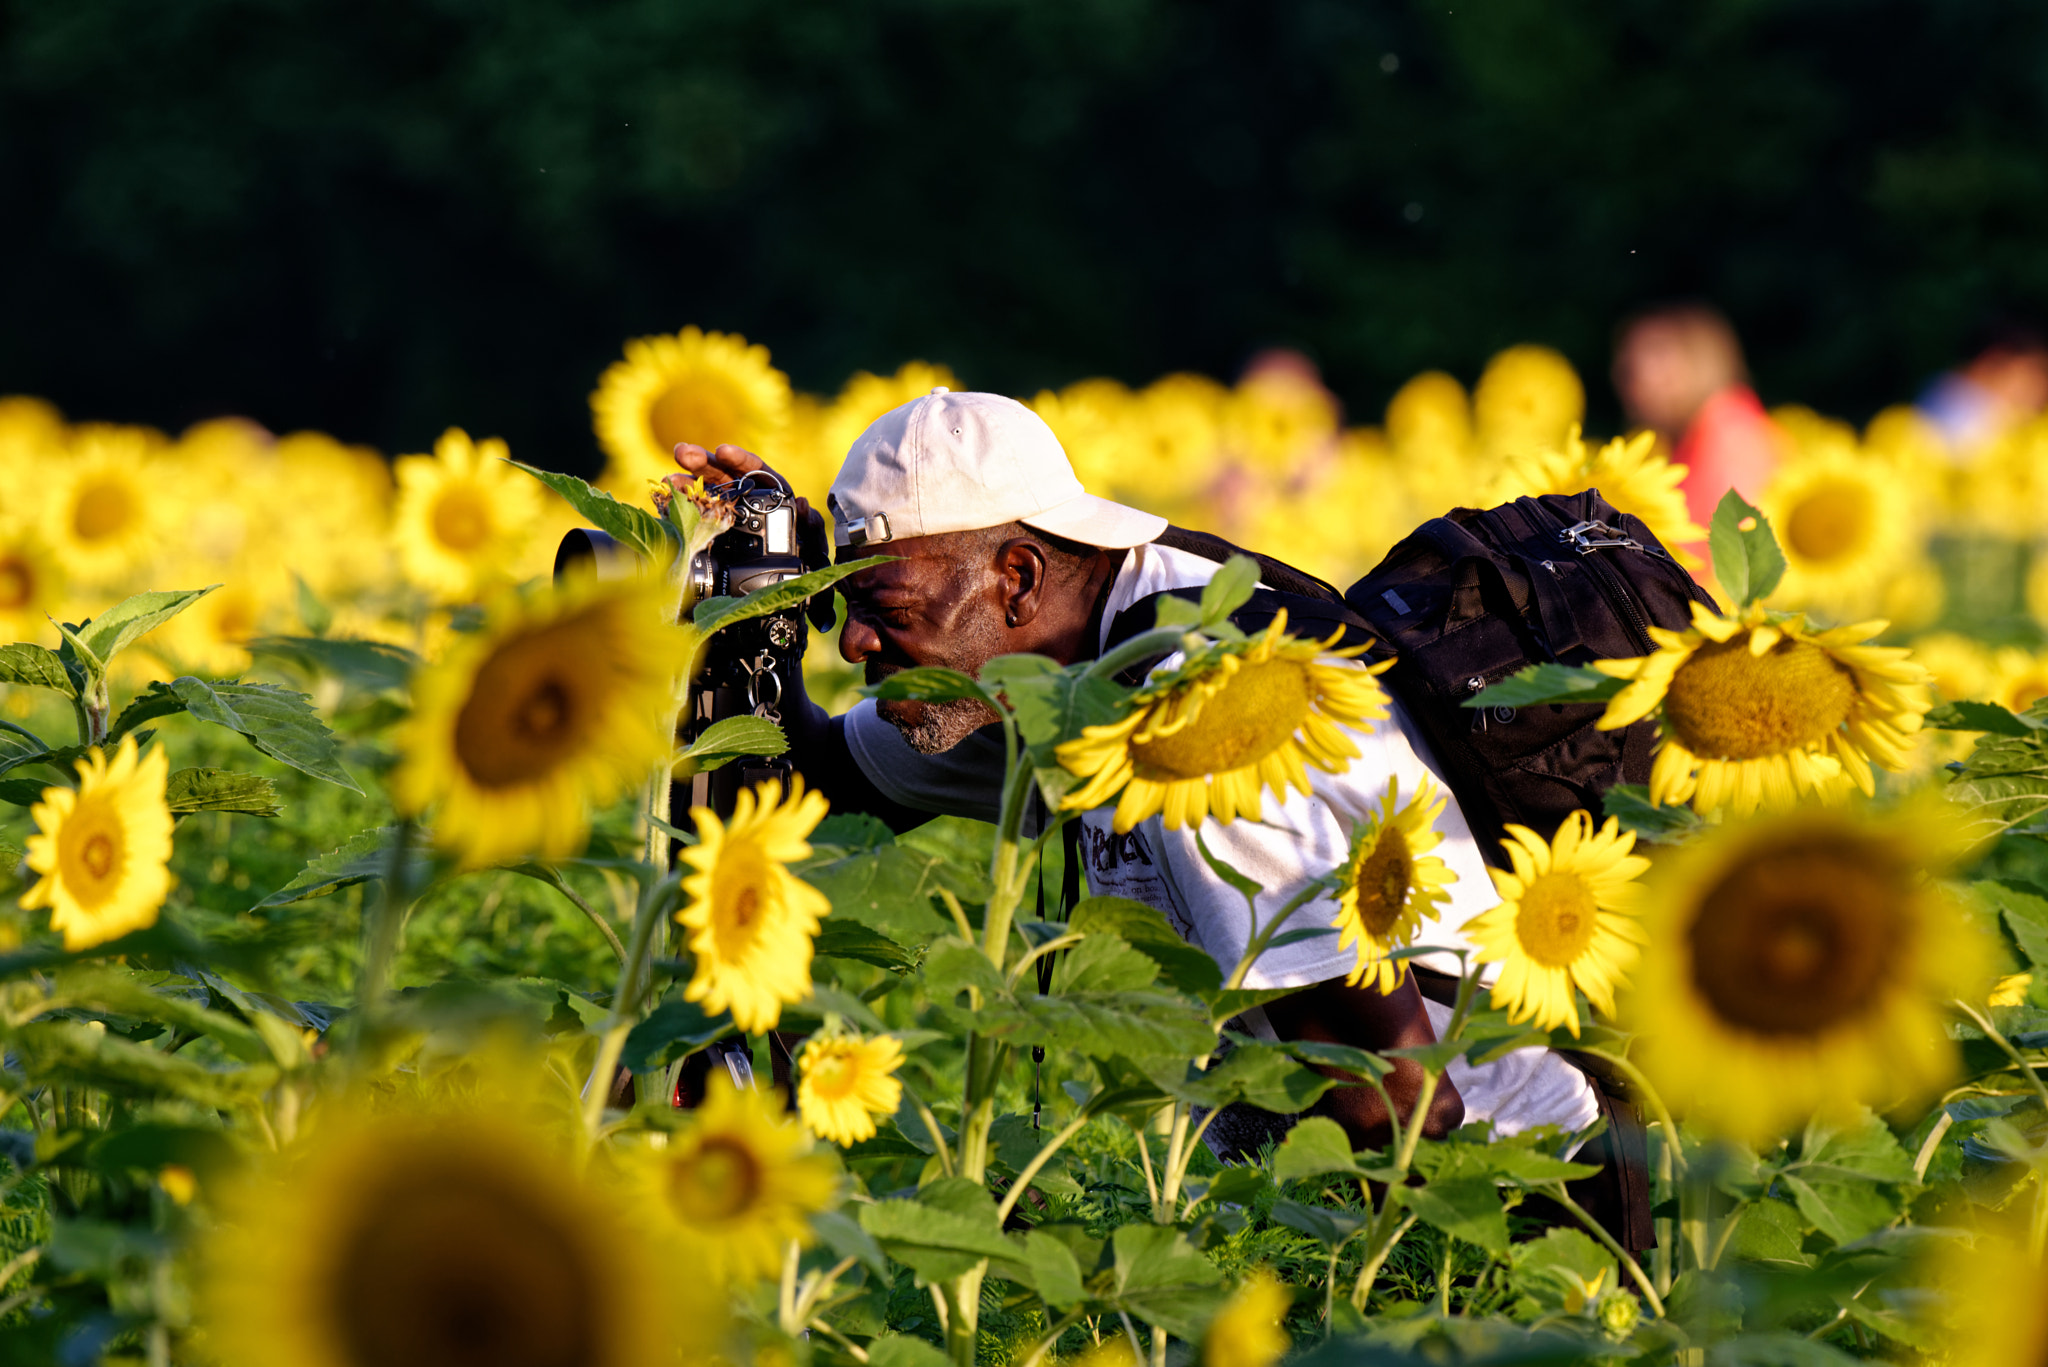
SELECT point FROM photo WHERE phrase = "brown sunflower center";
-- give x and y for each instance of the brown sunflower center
(1724, 703)
(1797, 939)
(533, 705)
(1557, 919)
(738, 898)
(1254, 713)
(1384, 879)
(696, 411)
(103, 510)
(461, 1271)
(17, 583)
(718, 1182)
(2026, 690)
(1832, 521)
(462, 519)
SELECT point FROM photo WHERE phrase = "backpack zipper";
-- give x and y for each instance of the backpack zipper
(1615, 590)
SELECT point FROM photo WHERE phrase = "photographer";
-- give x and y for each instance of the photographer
(999, 551)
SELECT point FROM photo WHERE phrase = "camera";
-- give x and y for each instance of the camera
(750, 666)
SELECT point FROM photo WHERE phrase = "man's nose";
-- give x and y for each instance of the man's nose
(858, 640)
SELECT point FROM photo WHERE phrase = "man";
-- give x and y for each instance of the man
(999, 551)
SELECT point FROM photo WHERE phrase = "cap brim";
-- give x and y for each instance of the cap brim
(1096, 521)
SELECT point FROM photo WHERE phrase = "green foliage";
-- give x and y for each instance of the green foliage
(1747, 561)
(1547, 683)
(734, 738)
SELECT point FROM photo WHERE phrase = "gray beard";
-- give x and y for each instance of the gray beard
(944, 724)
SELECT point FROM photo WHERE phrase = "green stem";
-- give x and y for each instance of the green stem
(1264, 934)
(1411, 1137)
(1388, 1228)
(1046, 1344)
(1658, 1112)
(1992, 1033)
(561, 885)
(1006, 881)
(1143, 646)
(1038, 1161)
(1174, 1166)
(647, 918)
(381, 948)
(1558, 1194)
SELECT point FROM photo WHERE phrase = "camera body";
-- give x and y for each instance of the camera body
(751, 665)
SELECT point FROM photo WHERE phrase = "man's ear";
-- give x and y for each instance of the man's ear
(1021, 567)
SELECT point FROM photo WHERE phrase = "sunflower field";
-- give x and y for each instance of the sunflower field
(352, 955)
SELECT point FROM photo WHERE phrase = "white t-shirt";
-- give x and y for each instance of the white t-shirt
(1296, 839)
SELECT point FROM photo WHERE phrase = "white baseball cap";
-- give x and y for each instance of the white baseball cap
(959, 462)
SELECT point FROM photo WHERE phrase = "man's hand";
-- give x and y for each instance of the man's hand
(719, 466)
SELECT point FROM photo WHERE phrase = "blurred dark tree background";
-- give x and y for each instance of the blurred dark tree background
(379, 217)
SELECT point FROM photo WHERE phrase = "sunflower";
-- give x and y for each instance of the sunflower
(1092, 420)
(2010, 990)
(212, 636)
(847, 1082)
(1391, 883)
(1175, 445)
(1280, 414)
(1564, 921)
(704, 387)
(739, 1184)
(751, 920)
(1799, 964)
(1983, 1312)
(1237, 718)
(1845, 524)
(1957, 666)
(1760, 709)
(2019, 678)
(1527, 399)
(412, 1240)
(103, 849)
(1247, 1331)
(464, 516)
(554, 707)
(335, 508)
(1630, 473)
(31, 586)
(102, 508)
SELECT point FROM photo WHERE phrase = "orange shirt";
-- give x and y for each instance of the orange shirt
(1731, 443)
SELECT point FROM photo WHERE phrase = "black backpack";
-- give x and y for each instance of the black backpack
(1468, 599)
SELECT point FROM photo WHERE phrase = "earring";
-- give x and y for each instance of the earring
(1011, 618)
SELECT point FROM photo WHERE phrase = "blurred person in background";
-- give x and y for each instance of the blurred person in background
(1678, 371)
(2004, 382)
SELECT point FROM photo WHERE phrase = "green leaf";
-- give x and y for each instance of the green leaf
(22, 792)
(220, 790)
(1230, 590)
(1747, 562)
(1465, 1208)
(1980, 716)
(673, 1030)
(950, 1227)
(1055, 1274)
(61, 759)
(372, 665)
(1849, 1182)
(930, 683)
(734, 738)
(1770, 1231)
(1552, 1272)
(901, 1350)
(314, 613)
(1263, 1076)
(1331, 1228)
(367, 855)
(1163, 1279)
(1349, 1057)
(840, 938)
(1629, 803)
(1547, 683)
(2025, 915)
(1103, 963)
(1144, 929)
(711, 616)
(277, 721)
(891, 889)
(32, 666)
(1317, 1147)
(1052, 704)
(66, 1051)
(119, 993)
(132, 618)
(637, 528)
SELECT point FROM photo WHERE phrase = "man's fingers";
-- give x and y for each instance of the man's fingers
(727, 462)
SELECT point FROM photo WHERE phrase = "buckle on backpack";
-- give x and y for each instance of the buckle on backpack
(1587, 537)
